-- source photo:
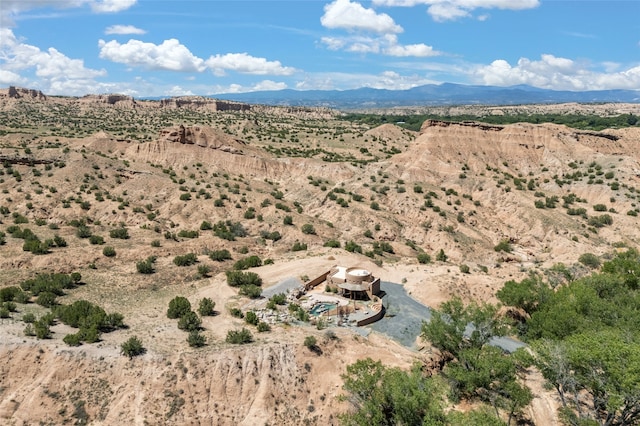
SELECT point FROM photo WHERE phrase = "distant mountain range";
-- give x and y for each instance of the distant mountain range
(429, 95)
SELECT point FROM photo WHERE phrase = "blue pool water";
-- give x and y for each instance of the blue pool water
(321, 308)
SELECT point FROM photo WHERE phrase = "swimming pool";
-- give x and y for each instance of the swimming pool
(321, 308)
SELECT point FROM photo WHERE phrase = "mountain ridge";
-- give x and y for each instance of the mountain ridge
(429, 95)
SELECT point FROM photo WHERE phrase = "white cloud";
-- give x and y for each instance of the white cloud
(178, 91)
(246, 64)
(170, 55)
(349, 15)
(110, 6)
(390, 80)
(386, 45)
(9, 78)
(123, 29)
(56, 72)
(552, 72)
(238, 88)
(12, 8)
(448, 10)
(269, 85)
(415, 50)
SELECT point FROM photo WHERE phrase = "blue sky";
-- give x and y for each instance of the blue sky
(171, 48)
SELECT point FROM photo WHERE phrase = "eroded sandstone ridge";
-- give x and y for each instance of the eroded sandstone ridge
(206, 137)
(19, 93)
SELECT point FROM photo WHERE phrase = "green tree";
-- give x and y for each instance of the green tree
(239, 337)
(206, 307)
(590, 260)
(146, 266)
(189, 321)
(595, 375)
(488, 374)
(196, 340)
(308, 228)
(121, 233)
(132, 347)
(240, 278)
(441, 256)
(220, 255)
(178, 306)
(186, 259)
(390, 396)
(42, 328)
(251, 318)
(251, 291)
(311, 343)
(448, 330)
(527, 294)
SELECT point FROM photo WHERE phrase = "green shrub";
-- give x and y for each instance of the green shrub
(220, 255)
(424, 258)
(274, 236)
(279, 299)
(235, 312)
(7, 294)
(121, 233)
(251, 318)
(298, 246)
(332, 243)
(310, 342)
(196, 340)
(248, 262)
(132, 347)
(308, 228)
(186, 260)
(206, 307)
(352, 247)
(178, 306)
(263, 326)
(204, 270)
(504, 245)
(185, 233)
(240, 278)
(464, 269)
(72, 339)
(190, 321)
(251, 291)
(29, 318)
(590, 260)
(59, 241)
(239, 337)
(96, 240)
(146, 266)
(441, 256)
(46, 299)
(229, 230)
(109, 251)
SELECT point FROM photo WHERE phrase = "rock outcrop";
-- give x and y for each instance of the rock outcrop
(114, 99)
(205, 137)
(22, 93)
(199, 102)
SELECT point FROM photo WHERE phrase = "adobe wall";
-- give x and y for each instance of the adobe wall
(316, 281)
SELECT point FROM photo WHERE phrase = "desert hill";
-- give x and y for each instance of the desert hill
(289, 176)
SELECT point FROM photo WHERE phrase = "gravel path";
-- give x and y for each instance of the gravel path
(403, 319)
(282, 287)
